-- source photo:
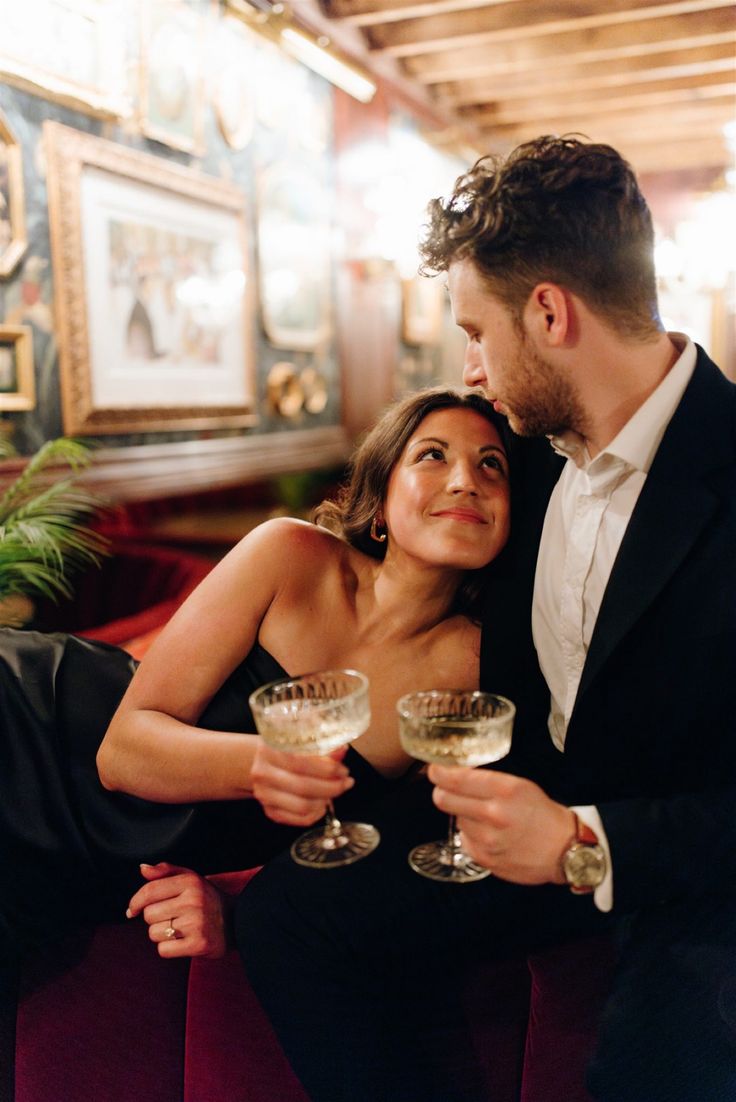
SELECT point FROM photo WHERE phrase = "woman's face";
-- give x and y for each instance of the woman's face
(447, 502)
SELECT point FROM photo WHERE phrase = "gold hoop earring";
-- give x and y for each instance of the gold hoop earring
(375, 535)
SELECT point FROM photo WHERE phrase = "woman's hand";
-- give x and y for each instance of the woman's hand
(180, 900)
(295, 788)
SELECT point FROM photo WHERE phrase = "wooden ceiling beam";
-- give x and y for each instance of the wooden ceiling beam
(516, 50)
(541, 81)
(653, 125)
(636, 97)
(463, 30)
(367, 13)
(689, 149)
(690, 153)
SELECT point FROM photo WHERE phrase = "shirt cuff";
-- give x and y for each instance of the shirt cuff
(603, 894)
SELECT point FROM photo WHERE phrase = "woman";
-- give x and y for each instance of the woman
(391, 594)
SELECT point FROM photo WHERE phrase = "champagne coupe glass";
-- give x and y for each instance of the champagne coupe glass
(315, 714)
(453, 727)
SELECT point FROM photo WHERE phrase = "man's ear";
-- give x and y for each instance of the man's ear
(548, 315)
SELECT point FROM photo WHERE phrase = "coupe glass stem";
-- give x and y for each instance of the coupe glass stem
(454, 848)
(333, 836)
(333, 826)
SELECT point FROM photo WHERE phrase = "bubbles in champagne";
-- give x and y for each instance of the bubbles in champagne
(298, 727)
(453, 740)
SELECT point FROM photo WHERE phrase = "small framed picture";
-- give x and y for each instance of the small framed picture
(172, 78)
(421, 310)
(17, 387)
(233, 84)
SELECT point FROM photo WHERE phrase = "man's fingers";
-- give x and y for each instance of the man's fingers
(481, 783)
(470, 808)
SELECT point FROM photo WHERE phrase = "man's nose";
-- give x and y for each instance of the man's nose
(473, 370)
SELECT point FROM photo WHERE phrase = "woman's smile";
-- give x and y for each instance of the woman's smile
(468, 516)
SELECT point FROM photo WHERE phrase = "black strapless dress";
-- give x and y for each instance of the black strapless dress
(69, 849)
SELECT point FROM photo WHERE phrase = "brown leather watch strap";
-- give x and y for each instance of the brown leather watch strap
(583, 833)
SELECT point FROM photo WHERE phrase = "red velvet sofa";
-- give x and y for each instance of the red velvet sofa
(128, 597)
(103, 1017)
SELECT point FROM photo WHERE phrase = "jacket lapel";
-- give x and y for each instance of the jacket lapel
(678, 499)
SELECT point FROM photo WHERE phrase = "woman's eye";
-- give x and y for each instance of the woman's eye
(493, 461)
(431, 453)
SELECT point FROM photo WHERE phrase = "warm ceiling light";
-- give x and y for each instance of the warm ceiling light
(319, 57)
(317, 53)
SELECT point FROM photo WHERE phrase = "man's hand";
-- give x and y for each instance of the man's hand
(508, 823)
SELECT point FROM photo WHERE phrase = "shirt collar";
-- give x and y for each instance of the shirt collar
(637, 442)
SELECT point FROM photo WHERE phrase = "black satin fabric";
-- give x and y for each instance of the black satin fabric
(69, 849)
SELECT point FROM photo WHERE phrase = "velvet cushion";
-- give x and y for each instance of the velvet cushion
(101, 1017)
(569, 985)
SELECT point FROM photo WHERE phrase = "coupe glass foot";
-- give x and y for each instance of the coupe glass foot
(321, 849)
(437, 861)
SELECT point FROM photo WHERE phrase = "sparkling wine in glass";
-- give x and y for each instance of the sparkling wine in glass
(453, 727)
(316, 714)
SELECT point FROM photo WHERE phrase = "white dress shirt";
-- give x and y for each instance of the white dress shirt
(586, 519)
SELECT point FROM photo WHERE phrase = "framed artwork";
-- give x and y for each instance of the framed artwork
(172, 78)
(233, 84)
(277, 85)
(421, 310)
(70, 51)
(152, 290)
(13, 242)
(295, 262)
(17, 387)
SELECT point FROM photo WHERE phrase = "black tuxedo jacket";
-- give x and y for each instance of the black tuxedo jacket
(652, 738)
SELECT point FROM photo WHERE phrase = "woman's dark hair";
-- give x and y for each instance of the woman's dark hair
(361, 497)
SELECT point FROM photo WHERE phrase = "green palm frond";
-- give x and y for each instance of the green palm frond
(44, 537)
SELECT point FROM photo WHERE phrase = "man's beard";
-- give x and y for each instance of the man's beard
(541, 402)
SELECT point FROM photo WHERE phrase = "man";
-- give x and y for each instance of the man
(613, 628)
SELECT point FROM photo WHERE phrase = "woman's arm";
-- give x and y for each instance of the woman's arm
(152, 748)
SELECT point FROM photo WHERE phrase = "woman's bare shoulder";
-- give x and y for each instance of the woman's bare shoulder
(304, 546)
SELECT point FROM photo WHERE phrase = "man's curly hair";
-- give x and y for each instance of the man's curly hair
(556, 209)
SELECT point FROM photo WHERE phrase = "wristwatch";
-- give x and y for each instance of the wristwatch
(584, 861)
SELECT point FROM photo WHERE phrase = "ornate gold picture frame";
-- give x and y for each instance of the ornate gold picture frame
(152, 290)
(69, 51)
(17, 386)
(13, 241)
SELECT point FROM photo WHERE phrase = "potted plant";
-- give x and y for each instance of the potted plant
(44, 537)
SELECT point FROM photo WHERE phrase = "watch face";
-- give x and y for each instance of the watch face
(584, 866)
